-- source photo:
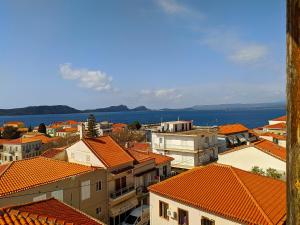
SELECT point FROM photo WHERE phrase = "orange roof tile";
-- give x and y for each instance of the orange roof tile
(229, 192)
(53, 152)
(120, 125)
(49, 211)
(277, 136)
(282, 118)
(21, 140)
(3, 141)
(108, 151)
(140, 157)
(40, 170)
(272, 148)
(277, 126)
(144, 148)
(71, 122)
(232, 129)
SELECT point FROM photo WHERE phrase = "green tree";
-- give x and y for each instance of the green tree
(135, 125)
(42, 128)
(10, 132)
(30, 129)
(91, 127)
(270, 172)
(257, 170)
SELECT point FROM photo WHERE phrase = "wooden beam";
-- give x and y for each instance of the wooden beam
(293, 112)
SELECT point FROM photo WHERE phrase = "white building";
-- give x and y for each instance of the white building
(275, 138)
(264, 154)
(103, 128)
(218, 195)
(20, 148)
(189, 148)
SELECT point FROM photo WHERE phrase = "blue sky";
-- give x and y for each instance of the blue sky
(158, 53)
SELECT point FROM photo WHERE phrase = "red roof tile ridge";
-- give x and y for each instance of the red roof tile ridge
(6, 168)
(250, 195)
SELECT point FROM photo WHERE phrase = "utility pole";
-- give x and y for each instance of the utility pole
(293, 112)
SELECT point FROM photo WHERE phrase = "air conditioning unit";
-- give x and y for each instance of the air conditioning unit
(171, 214)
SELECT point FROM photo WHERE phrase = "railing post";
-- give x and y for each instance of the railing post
(293, 112)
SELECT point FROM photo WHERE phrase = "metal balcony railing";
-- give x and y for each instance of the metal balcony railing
(121, 192)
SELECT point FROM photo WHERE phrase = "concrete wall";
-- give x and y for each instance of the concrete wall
(249, 157)
(69, 191)
(194, 214)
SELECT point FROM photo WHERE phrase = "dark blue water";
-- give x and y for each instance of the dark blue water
(250, 118)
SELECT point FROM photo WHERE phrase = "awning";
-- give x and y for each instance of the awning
(123, 207)
(241, 138)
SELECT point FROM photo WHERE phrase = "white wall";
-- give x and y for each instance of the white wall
(80, 153)
(246, 158)
(195, 214)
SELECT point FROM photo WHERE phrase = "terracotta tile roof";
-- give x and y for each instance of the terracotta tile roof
(232, 129)
(53, 152)
(230, 192)
(49, 211)
(277, 136)
(119, 125)
(145, 148)
(271, 148)
(71, 122)
(21, 140)
(140, 157)
(28, 173)
(277, 126)
(17, 123)
(3, 141)
(282, 118)
(109, 152)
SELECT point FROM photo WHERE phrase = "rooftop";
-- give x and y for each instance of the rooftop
(277, 126)
(53, 152)
(28, 173)
(271, 148)
(229, 192)
(49, 211)
(277, 136)
(282, 118)
(193, 132)
(108, 151)
(232, 129)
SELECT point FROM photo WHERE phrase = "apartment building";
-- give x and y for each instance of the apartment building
(264, 154)
(276, 126)
(40, 178)
(189, 146)
(49, 211)
(106, 153)
(20, 148)
(275, 138)
(218, 195)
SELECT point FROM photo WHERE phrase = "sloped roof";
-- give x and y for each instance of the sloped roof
(277, 136)
(49, 211)
(277, 126)
(232, 129)
(140, 157)
(28, 173)
(271, 148)
(108, 151)
(53, 152)
(229, 192)
(281, 118)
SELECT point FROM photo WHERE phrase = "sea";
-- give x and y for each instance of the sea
(251, 118)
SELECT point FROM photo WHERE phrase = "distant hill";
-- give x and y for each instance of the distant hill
(63, 109)
(276, 105)
(35, 110)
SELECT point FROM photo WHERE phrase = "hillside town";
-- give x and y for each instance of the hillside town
(173, 172)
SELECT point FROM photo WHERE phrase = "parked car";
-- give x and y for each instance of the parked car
(139, 216)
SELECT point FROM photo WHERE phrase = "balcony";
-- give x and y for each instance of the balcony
(122, 192)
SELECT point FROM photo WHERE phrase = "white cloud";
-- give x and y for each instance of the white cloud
(233, 47)
(172, 7)
(163, 94)
(92, 79)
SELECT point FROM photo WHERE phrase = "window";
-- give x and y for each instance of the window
(183, 218)
(10, 158)
(165, 171)
(98, 211)
(163, 208)
(98, 186)
(120, 183)
(85, 190)
(206, 221)
(160, 140)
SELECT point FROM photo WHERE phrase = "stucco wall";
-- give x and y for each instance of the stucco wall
(195, 214)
